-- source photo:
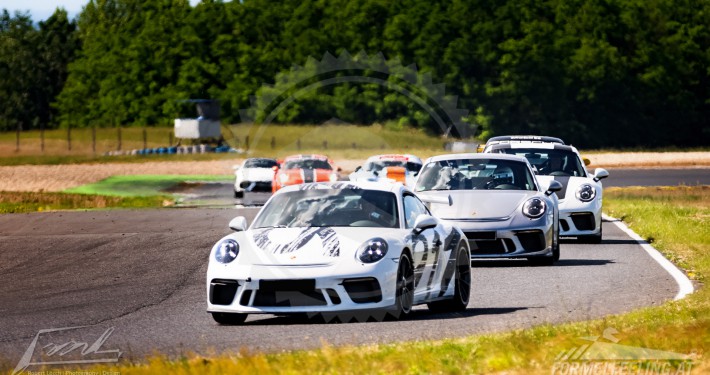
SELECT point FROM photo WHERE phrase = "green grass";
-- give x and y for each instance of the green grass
(674, 219)
(343, 142)
(139, 185)
(22, 202)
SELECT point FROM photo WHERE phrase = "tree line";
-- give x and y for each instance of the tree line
(598, 73)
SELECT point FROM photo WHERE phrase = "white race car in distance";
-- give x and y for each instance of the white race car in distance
(344, 250)
(255, 174)
(581, 195)
(389, 168)
(499, 205)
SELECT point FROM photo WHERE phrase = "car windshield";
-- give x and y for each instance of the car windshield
(259, 163)
(378, 165)
(475, 174)
(307, 164)
(330, 208)
(548, 162)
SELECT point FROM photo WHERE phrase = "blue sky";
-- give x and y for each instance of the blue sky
(42, 9)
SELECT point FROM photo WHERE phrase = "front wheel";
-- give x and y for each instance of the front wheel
(229, 319)
(462, 285)
(404, 288)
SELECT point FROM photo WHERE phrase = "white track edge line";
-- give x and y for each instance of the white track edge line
(685, 286)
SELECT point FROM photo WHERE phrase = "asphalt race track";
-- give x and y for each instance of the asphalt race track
(142, 272)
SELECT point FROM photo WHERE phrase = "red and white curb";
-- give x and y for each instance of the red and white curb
(685, 286)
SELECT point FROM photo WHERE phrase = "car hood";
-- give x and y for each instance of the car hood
(257, 174)
(307, 246)
(478, 204)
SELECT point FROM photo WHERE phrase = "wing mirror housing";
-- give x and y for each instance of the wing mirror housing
(555, 186)
(424, 222)
(600, 173)
(238, 224)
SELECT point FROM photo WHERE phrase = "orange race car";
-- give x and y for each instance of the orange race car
(299, 169)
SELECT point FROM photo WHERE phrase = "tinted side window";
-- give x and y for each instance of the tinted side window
(413, 207)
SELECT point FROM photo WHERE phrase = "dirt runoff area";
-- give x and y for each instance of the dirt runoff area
(36, 178)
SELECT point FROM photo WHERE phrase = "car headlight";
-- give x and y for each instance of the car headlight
(586, 193)
(333, 177)
(284, 178)
(372, 250)
(227, 251)
(534, 208)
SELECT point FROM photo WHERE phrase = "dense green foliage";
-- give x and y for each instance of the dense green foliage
(598, 73)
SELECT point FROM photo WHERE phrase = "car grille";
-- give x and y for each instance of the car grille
(259, 186)
(480, 235)
(499, 246)
(532, 241)
(564, 225)
(583, 220)
(222, 292)
(365, 290)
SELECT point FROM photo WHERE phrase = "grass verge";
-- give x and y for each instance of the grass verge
(140, 185)
(22, 202)
(674, 219)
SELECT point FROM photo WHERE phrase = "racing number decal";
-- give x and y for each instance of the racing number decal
(331, 245)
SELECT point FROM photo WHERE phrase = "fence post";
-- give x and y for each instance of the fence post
(247, 143)
(145, 138)
(118, 134)
(17, 137)
(69, 137)
(93, 139)
(273, 143)
(41, 137)
(325, 145)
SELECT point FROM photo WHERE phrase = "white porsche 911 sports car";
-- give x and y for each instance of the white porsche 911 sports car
(389, 168)
(255, 174)
(502, 209)
(581, 195)
(365, 250)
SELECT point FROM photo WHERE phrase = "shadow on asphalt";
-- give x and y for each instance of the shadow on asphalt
(512, 263)
(347, 317)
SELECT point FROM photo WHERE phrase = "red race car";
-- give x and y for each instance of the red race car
(299, 169)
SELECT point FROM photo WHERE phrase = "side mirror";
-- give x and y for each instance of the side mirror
(586, 161)
(238, 224)
(554, 187)
(424, 222)
(600, 173)
(358, 168)
(339, 170)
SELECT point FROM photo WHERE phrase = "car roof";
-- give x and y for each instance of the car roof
(394, 187)
(407, 157)
(306, 156)
(476, 156)
(524, 139)
(541, 146)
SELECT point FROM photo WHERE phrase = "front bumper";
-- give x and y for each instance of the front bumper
(253, 186)
(500, 239)
(299, 289)
(579, 218)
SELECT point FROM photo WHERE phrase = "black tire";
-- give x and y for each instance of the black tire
(238, 194)
(404, 294)
(556, 247)
(462, 289)
(229, 319)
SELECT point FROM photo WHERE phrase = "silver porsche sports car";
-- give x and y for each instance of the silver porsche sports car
(498, 203)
